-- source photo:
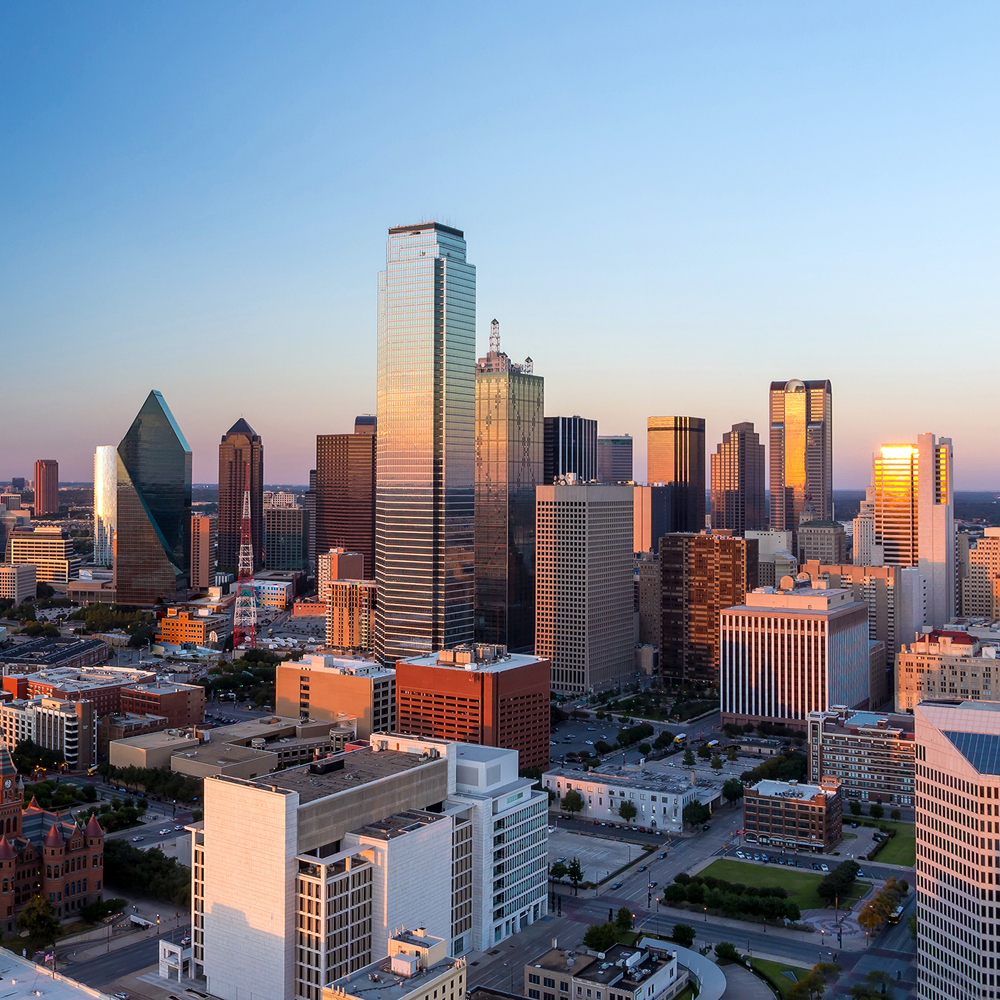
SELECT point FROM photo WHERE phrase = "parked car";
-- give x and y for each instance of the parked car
(707, 826)
(815, 867)
(823, 868)
(798, 864)
(740, 854)
(854, 826)
(756, 857)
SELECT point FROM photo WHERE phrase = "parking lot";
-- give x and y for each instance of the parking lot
(597, 855)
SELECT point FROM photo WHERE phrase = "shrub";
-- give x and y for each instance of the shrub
(727, 951)
(684, 935)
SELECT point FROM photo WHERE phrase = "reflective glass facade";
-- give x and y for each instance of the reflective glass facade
(570, 446)
(675, 454)
(241, 446)
(105, 503)
(153, 546)
(424, 524)
(738, 481)
(510, 423)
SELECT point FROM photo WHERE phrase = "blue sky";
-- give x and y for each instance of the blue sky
(668, 205)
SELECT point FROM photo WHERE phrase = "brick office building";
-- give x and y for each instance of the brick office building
(480, 694)
(182, 704)
(794, 815)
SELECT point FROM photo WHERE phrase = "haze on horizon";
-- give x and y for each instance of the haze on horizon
(668, 207)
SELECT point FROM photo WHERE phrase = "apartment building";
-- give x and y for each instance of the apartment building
(204, 550)
(947, 664)
(872, 755)
(350, 614)
(478, 693)
(200, 629)
(345, 850)
(980, 592)
(793, 815)
(17, 583)
(323, 687)
(67, 727)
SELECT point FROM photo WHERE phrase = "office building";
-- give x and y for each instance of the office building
(958, 798)
(425, 522)
(794, 816)
(58, 724)
(478, 694)
(675, 457)
(338, 564)
(241, 447)
(49, 550)
(204, 630)
(285, 539)
(788, 652)
(182, 704)
(43, 853)
(279, 499)
(105, 504)
(614, 458)
(510, 433)
(17, 483)
(570, 446)
(651, 517)
(914, 516)
(350, 615)
(869, 753)
(584, 624)
(323, 687)
(947, 664)
(17, 582)
(345, 492)
(46, 653)
(10, 501)
(46, 487)
(153, 548)
(775, 558)
(700, 576)
(204, 535)
(738, 481)
(649, 583)
(274, 588)
(822, 541)
(112, 728)
(406, 831)
(801, 459)
(309, 505)
(981, 586)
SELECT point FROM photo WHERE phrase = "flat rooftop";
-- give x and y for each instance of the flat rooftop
(560, 960)
(378, 982)
(360, 666)
(512, 661)
(399, 825)
(223, 754)
(155, 741)
(786, 790)
(50, 651)
(34, 980)
(645, 780)
(276, 727)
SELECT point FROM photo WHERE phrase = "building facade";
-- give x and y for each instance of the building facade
(105, 504)
(738, 481)
(46, 487)
(285, 539)
(153, 548)
(337, 564)
(801, 460)
(981, 587)
(425, 521)
(584, 601)
(241, 447)
(651, 517)
(49, 550)
(794, 816)
(204, 536)
(823, 541)
(570, 446)
(17, 582)
(182, 704)
(181, 627)
(614, 458)
(946, 664)
(350, 615)
(675, 457)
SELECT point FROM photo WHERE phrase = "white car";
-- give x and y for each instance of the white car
(164, 833)
(823, 868)
(589, 743)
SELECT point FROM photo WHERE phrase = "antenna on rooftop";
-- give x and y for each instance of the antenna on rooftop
(495, 337)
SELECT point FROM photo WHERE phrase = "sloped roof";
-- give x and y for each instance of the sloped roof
(94, 829)
(53, 838)
(241, 427)
(6, 851)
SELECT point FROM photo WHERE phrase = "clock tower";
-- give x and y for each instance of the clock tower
(11, 796)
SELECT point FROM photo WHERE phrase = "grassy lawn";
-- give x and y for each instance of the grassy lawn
(801, 885)
(776, 970)
(902, 849)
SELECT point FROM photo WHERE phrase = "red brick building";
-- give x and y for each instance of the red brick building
(478, 694)
(182, 704)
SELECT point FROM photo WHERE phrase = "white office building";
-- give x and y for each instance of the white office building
(105, 503)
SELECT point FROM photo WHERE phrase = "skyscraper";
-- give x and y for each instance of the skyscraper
(570, 446)
(614, 458)
(154, 508)
(46, 487)
(675, 456)
(914, 516)
(105, 503)
(241, 446)
(801, 464)
(738, 481)
(345, 491)
(510, 424)
(204, 532)
(424, 520)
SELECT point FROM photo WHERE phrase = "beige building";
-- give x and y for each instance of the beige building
(49, 550)
(67, 727)
(350, 614)
(17, 583)
(584, 619)
(825, 541)
(947, 664)
(151, 749)
(774, 556)
(204, 532)
(234, 761)
(981, 585)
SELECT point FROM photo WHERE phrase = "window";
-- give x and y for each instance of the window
(532, 978)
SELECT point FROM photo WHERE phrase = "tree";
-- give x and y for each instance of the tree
(644, 749)
(895, 815)
(601, 937)
(575, 872)
(695, 813)
(855, 807)
(703, 751)
(689, 757)
(572, 801)
(912, 924)
(876, 811)
(558, 870)
(878, 983)
(627, 811)
(732, 790)
(871, 917)
(623, 919)
(603, 748)
(39, 920)
(732, 753)
(904, 887)
(684, 935)
(716, 763)
(674, 893)
(727, 951)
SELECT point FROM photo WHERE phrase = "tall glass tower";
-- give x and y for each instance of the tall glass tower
(105, 503)
(153, 554)
(424, 521)
(675, 453)
(738, 481)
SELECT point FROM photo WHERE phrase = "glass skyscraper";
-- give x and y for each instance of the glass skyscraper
(675, 456)
(737, 474)
(424, 521)
(240, 447)
(154, 508)
(510, 436)
(105, 503)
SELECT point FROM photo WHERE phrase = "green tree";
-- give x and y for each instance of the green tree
(732, 753)
(689, 757)
(558, 870)
(695, 813)
(895, 815)
(855, 807)
(601, 937)
(727, 951)
(876, 811)
(623, 919)
(627, 811)
(716, 763)
(644, 749)
(575, 872)
(704, 752)
(732, 790)
(572, 801)
(674, 893)
(39, 920)
(684, 935)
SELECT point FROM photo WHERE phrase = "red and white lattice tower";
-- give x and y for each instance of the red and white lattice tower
(245, 612)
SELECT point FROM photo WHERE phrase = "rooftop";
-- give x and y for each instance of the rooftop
(396, 826)
(22, 978)
(488, 659)
(358, 666)
(378, 982)
(163, 738)
(222, 754)
(790, 789)
(49, 651)
(645, 780)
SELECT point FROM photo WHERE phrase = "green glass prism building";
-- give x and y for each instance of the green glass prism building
(153, 543)
(424, 520)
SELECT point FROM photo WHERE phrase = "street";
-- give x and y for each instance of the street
(106, 970)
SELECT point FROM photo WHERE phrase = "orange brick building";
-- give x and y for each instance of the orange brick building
(203, 630)
(182, 704)
(478, 694)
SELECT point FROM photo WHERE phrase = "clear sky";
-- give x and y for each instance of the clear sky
(669, 205)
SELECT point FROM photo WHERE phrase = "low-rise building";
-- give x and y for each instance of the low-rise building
(17, 582)
(151, 750)
(659, 799)
(273, 590)
(201, 629)
(100, 685)
(214, 758)
(948, 664)
(182, 704)
(85, 592)
(870, 754)
(123, 726)
(794, 815)
(43, 653)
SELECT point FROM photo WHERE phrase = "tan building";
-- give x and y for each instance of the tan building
(233, 761)
(204, 532)
(946, 664)
(981, 587)
(17, 583)
(67, 727)
(825, 541)
(794, 816)
(350, 614)
(151, 749)
(86, 592)
(201, 629)
(417, 967)
(49, 550)
(869, 753)
(324, 687)
(122, 727)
